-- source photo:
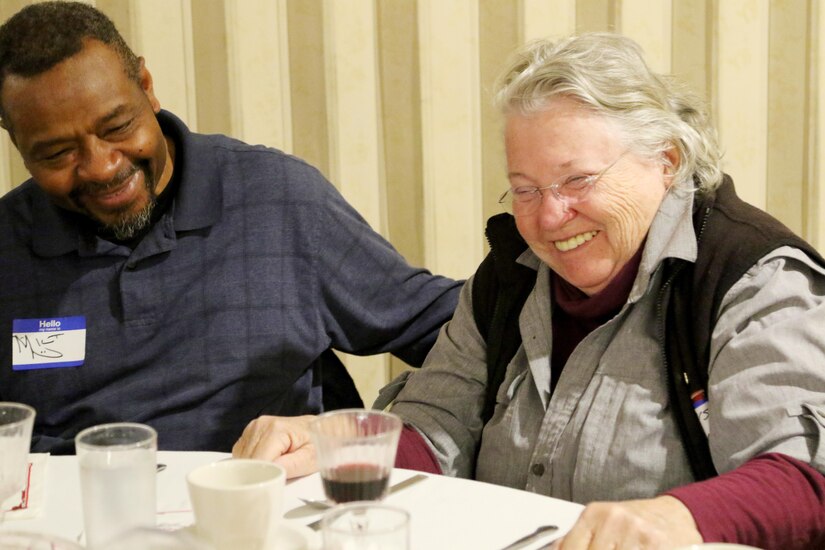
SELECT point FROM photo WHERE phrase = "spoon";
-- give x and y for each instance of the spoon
(317, 504)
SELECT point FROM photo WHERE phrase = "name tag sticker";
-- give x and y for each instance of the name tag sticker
(48, 343)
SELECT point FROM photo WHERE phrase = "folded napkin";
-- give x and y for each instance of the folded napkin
(29, 502)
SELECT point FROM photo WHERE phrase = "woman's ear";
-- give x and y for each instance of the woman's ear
(670, 164)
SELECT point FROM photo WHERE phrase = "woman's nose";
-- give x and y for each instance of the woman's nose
(552, 211)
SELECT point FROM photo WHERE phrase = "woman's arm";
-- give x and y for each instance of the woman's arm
(767, 426)
(443, 399)
(771, 501)
(414, 453)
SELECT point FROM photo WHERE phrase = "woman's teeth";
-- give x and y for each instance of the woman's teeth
(575, 241)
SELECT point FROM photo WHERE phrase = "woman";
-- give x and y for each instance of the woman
(607, 162)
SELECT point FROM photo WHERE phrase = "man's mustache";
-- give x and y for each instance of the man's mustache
(98, 188)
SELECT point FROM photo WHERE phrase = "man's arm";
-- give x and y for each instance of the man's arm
(54, 445)
(283, 440)
(371, 300)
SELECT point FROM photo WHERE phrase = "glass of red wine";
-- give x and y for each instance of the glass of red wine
(356, 452)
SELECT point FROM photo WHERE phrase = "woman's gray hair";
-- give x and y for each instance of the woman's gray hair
(607, 74)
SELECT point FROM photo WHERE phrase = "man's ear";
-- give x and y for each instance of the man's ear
(3, 124)
(147, 85)
(7, 127)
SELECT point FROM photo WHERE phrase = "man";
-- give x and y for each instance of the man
(153, 275)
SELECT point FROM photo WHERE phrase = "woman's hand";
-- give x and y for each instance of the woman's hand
(657, 523)
(280, 439)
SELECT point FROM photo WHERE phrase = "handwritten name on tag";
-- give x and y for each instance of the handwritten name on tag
(48, 343)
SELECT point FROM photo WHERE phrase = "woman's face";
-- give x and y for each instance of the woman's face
(588, 242)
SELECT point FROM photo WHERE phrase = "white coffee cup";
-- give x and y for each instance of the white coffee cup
(237, 503)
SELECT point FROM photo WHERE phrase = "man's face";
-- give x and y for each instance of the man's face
(89, 137)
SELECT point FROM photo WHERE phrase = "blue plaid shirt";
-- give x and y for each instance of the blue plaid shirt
(221, 311)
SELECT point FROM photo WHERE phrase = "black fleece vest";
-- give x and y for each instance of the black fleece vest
(732, 236)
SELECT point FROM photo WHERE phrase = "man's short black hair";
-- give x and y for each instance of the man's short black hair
(41, 35)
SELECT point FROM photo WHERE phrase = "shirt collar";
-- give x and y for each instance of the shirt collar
(198, 204)
(671, 235)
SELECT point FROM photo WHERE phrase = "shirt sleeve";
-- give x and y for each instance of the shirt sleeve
(766, 388)
(370, 299)
(766, 397)
(414, 453)
(443, 400)
(772, 501)
(51, 444)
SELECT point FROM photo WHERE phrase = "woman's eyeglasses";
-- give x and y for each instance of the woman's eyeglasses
(525, 200)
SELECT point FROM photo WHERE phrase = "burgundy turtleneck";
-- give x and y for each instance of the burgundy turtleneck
(575, 314)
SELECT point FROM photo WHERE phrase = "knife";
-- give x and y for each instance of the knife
(530, 537)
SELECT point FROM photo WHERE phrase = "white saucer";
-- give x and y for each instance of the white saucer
(295, 536)
(290, 536)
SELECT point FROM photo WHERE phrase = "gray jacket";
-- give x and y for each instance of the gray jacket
(607, 431)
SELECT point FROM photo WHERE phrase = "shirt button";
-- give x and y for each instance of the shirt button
(537, 469)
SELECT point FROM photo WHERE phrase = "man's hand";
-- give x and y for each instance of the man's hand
(280, 439)
(652, 524)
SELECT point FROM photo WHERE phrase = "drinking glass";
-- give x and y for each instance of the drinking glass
(356, 452)
(117, 479)
(365, 526)
(16, 422)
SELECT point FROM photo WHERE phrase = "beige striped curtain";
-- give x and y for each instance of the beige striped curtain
(390, 98)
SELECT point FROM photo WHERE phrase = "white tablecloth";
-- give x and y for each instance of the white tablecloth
(446, 512)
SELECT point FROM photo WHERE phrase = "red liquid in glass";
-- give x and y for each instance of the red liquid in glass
(352, 482)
